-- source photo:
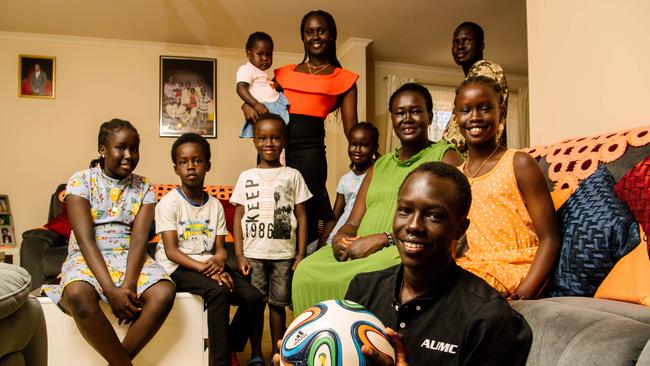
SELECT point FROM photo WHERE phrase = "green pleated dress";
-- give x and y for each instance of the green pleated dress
(320, 276)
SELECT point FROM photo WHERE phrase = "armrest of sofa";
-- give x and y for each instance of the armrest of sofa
(43, 237)
(41, 253)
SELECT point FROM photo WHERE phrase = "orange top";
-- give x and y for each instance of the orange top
(501, 237)
(313, 95)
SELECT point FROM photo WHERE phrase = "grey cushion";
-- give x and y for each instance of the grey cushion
(568, 335)
(626, 309)
(14, 288)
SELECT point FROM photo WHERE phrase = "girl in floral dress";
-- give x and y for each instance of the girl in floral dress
(111, 211)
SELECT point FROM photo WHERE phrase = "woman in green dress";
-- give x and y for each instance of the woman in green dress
(364, 243)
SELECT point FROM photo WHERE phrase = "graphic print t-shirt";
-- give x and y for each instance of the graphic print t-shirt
(196, 226)
(269, 222)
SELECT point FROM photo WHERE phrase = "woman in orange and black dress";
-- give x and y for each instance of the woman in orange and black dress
(315, 88)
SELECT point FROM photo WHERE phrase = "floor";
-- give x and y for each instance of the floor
(243, 357)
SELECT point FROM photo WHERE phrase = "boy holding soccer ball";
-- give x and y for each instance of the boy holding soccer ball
(444, 315)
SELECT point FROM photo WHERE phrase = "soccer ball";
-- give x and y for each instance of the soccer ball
(331, 333)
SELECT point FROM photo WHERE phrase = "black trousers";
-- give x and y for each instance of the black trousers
(224, 338)
(305, 152)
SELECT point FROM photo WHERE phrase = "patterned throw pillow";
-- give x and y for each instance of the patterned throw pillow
(634, 189)
(597, 230)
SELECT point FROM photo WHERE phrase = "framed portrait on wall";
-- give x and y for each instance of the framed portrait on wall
(36, 76)
(7, 237)
(188, 96)
(4, 205)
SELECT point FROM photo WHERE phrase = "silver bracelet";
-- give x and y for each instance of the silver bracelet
(389, 239)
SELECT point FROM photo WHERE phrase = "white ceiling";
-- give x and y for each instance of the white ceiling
(408, 31)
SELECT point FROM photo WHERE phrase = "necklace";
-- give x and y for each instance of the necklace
(472, 176)
(313, 70)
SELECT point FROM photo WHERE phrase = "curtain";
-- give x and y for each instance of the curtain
(443, 106)
(517, 124)
(524, 121)
(393, 82)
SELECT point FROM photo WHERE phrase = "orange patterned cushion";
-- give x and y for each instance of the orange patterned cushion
(219, 192)
(573, 160)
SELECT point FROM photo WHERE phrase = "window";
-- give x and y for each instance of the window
(443, 105)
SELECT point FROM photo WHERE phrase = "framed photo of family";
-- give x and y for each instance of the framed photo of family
(36, 76)
(7, 236)
(188, 96)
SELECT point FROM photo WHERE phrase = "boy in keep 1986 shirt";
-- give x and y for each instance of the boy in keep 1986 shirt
(269, 219)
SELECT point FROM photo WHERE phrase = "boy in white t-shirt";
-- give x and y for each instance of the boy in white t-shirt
(191, 224)
(255, 87)
(270, 218)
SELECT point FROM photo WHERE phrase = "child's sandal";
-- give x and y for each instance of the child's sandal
(255, 361)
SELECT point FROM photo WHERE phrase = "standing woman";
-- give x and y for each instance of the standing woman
(315, 88)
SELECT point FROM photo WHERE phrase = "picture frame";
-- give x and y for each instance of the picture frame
(7, 236)
(4, 205)
(37, 76)
(187, 96)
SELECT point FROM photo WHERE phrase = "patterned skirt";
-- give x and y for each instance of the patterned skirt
(75, 268)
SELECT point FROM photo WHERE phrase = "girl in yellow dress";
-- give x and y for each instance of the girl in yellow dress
(513, 238)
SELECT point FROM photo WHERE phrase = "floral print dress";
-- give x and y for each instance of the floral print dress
(113, 206)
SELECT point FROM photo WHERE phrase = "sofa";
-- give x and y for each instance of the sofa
(43, 250)
(583, 330)
(23, 339)
(567, 330)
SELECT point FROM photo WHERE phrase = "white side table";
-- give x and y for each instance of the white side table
(11, 253)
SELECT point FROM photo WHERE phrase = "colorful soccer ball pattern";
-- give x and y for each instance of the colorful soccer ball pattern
(331, 333)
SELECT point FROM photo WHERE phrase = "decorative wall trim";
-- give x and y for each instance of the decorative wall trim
(353, 42)
(168, 48)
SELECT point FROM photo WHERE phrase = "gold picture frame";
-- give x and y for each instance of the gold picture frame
(33, 83)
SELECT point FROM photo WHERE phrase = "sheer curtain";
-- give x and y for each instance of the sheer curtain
(393, 82)
(443, 106)
(524, 122)
(517, 124)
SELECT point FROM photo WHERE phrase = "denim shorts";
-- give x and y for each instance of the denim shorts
(273, 278)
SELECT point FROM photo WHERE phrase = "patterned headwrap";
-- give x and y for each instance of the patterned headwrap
(493, 71)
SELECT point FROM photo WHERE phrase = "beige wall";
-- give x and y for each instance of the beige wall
(44, 141)
(588, 67)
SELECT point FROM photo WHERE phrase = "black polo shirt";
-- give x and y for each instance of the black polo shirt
(462, 321)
